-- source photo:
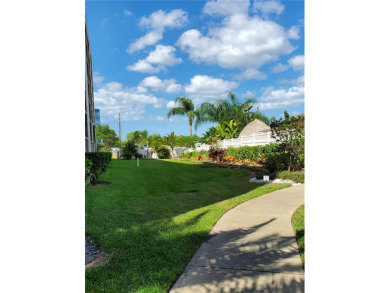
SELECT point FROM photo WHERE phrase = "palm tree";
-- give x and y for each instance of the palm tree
(171, 141)
(226, 110)
(185, 107)
(129, 149)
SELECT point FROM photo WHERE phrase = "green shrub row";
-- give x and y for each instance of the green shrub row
(100, 161)
(195, 154)
(273, 156)
(258, 171)
(297, 176)
(254, 153)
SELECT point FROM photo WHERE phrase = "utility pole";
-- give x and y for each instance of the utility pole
(119, 136)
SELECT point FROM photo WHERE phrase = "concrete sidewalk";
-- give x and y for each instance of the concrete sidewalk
(252, 248)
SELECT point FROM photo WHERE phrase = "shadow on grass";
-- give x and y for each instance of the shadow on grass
(149, 222)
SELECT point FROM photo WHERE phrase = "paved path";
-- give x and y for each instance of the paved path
(252, 248)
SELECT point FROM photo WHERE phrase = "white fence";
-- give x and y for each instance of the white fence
(250, 140)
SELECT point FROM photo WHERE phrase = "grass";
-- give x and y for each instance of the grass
(296, 176)
(298, 222)
(151, 219)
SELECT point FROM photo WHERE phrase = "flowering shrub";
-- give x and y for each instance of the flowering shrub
(229, 159)
(216, 154)
(199, 157)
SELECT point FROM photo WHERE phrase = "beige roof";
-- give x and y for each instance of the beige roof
(255, 127)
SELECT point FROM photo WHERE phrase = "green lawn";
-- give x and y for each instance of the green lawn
(298, 222)
(151, 219)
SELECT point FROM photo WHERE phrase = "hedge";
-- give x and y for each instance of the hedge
(195, 154)
(100, 161)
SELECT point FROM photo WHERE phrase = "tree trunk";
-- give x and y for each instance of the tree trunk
(190, 129)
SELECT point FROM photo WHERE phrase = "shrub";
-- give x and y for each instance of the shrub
(162, 152)
(100, 161)
(195, 154)
(297, 176)
(216, 154)
(88, 166)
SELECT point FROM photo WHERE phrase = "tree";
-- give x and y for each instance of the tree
(209, 136)
(108, 135)
(227, 130)
(130, 149)
(228, 109)
(171, 141)
(289, 133)
(187, 141)
(155, 140)
(185, 107)
(137, 136)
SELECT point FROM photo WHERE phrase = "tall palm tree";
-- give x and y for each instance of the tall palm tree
(228, 109)
(185, 107)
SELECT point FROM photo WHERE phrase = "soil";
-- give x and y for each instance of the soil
(94, 255)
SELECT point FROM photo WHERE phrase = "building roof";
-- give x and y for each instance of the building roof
(255, 127)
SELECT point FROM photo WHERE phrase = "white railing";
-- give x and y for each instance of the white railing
(250, 140)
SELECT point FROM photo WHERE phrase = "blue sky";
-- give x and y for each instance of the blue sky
(146, 53)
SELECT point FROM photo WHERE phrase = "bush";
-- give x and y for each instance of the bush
(194, 155)
(162, 152)
(297, 176)
(216, 154)
(88, 166)
(100, 161)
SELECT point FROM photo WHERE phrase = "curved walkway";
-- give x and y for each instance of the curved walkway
(252, 248)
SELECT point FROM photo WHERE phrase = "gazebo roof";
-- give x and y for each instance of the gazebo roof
(255, 127)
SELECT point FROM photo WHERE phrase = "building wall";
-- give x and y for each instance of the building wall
(90, 136)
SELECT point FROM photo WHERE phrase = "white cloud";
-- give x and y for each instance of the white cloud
(226, 7)
(172, 104)
(281, 98)
(98, 78)
(149, 39)
(280, 68)
(159, 20)
(268, 7)
(112, 98)
(203, 87)
(299, 80)
(162, 56)
(241, 41)
(251, 73)
(297, 62)
(293, 33)
(127, 12)
(249, 94)
(144, 67)
(156, 84)
(160, 118)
